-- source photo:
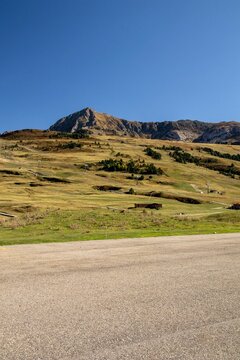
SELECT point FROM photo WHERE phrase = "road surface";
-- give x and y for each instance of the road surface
(153, 298)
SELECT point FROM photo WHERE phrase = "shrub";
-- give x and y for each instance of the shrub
(209, 163)
(212, 152)
(71, 145)
(113, 165)
(132, 167)
(184, 157)
(154, 154)
(80, 134)
(131, 191)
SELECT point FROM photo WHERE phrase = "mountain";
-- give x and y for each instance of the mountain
(185, 130)
(221, 133)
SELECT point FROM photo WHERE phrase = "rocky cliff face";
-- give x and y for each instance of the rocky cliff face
(183, 130)
(225, 132)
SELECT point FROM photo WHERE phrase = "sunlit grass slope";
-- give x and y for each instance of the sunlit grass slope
(51, 188)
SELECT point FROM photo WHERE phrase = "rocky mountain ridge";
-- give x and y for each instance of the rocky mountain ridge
(181, 130)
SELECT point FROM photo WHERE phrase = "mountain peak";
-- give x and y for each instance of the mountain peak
(88, 110)
(184, 130)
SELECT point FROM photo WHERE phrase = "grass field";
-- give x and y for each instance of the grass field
(47, 209)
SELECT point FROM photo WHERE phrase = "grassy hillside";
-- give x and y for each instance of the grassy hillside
(54, 189)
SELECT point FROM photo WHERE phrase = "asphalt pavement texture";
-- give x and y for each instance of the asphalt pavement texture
(153, 298)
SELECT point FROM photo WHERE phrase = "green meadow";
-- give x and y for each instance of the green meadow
(53, 190)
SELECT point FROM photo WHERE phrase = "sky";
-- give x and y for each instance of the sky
(146, 60)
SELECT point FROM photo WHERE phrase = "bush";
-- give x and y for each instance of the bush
(132, 167)
(70, 145)
(209, 163)
(212, 152)
(151, 169)
(80, 134)
(131, 191)
(154, 154)
(166, 148)
(184, 157)
(113, 165)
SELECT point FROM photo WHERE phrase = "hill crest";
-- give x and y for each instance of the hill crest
(181, 130)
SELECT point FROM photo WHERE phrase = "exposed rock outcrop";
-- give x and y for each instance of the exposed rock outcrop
(101, 123)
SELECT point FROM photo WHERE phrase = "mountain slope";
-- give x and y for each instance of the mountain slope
(101, 123)
(224, 132)
(184, 130)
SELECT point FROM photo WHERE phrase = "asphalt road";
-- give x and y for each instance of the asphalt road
(153, 298)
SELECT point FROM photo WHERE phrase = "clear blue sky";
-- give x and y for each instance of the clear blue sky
(137, 59)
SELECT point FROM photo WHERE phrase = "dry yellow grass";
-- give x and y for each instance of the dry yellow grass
(30, 159)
